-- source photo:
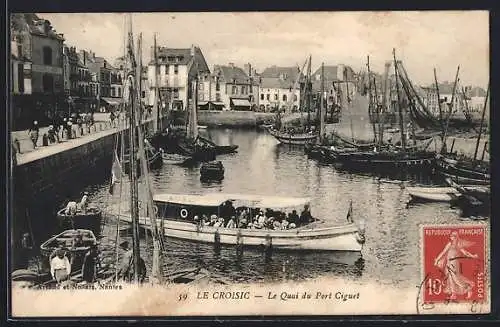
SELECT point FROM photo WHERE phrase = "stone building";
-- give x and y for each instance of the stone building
(280, 88)
(176, 69)
(229, 88)
(39, 44)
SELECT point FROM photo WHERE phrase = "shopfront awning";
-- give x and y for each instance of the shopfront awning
(112, 101)
(241, 102)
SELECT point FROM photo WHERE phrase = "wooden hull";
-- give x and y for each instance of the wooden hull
(386, 161)
(461, 173)
(174, 159)
(91, 220)
(339, 238)
(432, 194)
(293, 139)
(64, 240)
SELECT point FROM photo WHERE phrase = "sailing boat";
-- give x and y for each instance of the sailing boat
(285, 136)
(388, 158)
(463, 170)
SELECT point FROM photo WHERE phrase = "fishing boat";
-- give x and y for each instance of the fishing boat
(65, 240)
(88, 219)
(174, 158)
(307, 134)
(462, 171)
(293, 139)
(432, 194)
(213, 170)
(177, 213)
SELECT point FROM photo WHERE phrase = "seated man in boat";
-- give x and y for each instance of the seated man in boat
(82, 205)
(71, 208)
(293, 218)
(126, 267)
(219, 222)
(77, 240)
(261, 221)
(60, 267)
(205, 221)
(213, 220)
(284, 224)
(231, 223)
(243, 219)
(305, 216)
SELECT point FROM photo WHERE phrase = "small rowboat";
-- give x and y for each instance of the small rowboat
(178, 210)
(90, 219)
(174, 158)
(293, 139)
(65, 240)
(212, 170)
(432, 194)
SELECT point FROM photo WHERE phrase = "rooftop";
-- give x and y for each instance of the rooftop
(232, 74)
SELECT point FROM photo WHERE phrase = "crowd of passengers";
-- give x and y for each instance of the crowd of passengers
(243, 217)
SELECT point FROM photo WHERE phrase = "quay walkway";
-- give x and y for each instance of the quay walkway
(28, 153)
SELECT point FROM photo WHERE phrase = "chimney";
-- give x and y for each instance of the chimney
(231, 65)
(192, 50)
(248, 70)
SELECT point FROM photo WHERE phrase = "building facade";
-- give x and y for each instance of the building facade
(176, 69)
(280, 88)
(36, 42)
(229, 88)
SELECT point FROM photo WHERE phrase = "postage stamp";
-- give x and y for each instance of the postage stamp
(454, 263)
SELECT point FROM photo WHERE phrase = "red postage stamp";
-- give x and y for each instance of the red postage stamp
(454, 263)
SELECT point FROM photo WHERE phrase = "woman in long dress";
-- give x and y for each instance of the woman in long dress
(448, 261)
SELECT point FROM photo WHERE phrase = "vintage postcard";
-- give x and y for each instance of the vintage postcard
(249, 163)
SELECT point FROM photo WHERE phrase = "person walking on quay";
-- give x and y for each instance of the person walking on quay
(33, 133)
(60, 268)
(69, 127)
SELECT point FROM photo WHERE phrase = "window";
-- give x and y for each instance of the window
(284, 98)
(176, 93)
(295, 97)
(276, 96)
(48, 83)
(217, 97)
(143, 94)
(176, 69)
(250, 98)
(243, 89)
(217, 85)
(119, 92)
(268, 97)
(167, 68)
(47, 56)
(20, 77)
(112, 92)
(262, 96)
(251, 89)
(234, 90)
(121, 67)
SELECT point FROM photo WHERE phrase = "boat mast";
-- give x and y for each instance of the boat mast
(348, 102)
(134, 202)
(439, 107)
(322, 103)
(156, 108)
(370, 102)
(450, 111)
(385, 98)
(308, 92)
(482, 121)
(401, 122)
(157, 243)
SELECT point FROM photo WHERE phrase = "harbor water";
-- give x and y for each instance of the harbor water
(391, 254)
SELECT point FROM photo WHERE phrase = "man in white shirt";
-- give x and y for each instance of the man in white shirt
(60, 268)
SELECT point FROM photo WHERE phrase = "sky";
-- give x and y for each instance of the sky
(423, 40)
